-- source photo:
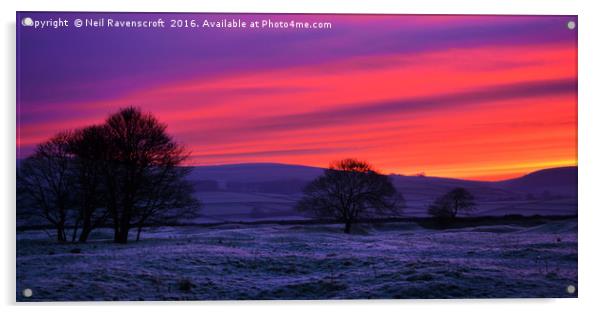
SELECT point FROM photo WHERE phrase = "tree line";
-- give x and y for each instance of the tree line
(126, 172)
(351, 190)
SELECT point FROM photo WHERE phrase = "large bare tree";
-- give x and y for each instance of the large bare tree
(143, 171)
(351, 189)
(45, 183)
(127, 172)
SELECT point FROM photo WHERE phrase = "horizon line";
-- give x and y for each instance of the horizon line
(391, 173)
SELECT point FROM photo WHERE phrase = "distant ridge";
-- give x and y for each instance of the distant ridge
(561, 180)
(253, 172)
(256, 172)
(559, 174)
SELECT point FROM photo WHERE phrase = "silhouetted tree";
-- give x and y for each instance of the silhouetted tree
(89, 147)
(167, 198)
(127, 171)
(449, 205)
(142, 162)
(348, 190)
(45, 181)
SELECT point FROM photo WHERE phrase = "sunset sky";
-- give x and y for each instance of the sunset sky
(480, 97)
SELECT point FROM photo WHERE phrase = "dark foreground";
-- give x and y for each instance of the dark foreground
(389, 260)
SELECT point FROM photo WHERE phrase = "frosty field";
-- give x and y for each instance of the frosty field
(309, 261)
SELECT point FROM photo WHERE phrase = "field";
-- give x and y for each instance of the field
(305, 261)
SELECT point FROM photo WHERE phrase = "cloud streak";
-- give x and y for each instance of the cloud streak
(345, 114)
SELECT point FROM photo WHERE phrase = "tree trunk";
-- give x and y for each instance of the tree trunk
(122, 229)
(116, 230)
(74, 234)
(75, 228)
(122, 235)
(83, 236)
(60, 234)
(347, 226)
(138, 233)
(86, 225)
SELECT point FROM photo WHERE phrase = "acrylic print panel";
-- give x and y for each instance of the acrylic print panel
(166, 156)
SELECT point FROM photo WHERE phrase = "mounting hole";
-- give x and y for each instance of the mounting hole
(27, 293)
(571, 25)
(27, 21)
(570, 289)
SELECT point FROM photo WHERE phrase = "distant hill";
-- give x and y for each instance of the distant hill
(554, 181)
(290, 179)
(269, 191)
(255, 172)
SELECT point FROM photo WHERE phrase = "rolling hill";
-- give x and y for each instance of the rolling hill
(269, 191)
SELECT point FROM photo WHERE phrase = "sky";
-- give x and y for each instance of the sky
(474, 97)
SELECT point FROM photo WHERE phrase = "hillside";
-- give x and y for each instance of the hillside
(269, 191)
(555, 181)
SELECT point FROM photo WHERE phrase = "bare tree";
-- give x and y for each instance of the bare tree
(127, 171)
(45, 181)
(351, 189)
(89, 148)
(142, 165)
(449, 205)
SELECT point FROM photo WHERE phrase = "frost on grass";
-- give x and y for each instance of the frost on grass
(395, 260)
